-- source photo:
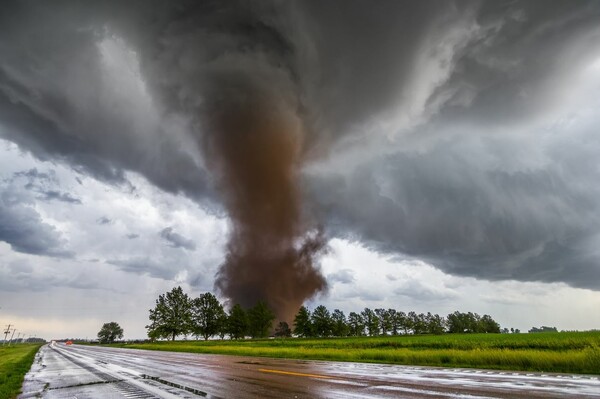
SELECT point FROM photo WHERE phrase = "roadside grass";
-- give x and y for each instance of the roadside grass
(15, 362)
(573, 352)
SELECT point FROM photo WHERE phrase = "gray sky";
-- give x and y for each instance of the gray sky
(448, 149)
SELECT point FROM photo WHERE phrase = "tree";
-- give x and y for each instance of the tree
(435, 324)
(471, 323)
(237, 322)
(460, 322)
(321, 321)
(110, 332)
(403, 322)
(339, 326)
(260, 320)
(283, 330)
(171, 316)
(371, 322)
(417, 322)
(489, 325)
(207, 314)
(475, 323)
(356, 325)
(223, 325)
(393, 320)
(385, 323)
(454, 323)
(302, 323)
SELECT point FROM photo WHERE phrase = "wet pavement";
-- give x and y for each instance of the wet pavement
(74, 371)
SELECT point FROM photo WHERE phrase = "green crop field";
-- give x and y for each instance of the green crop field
(573, 352)
(15, 362)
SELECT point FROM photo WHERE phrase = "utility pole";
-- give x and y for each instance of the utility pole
(6, 332)
(11, 337)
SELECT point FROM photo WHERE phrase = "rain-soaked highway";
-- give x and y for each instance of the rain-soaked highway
(61, 371)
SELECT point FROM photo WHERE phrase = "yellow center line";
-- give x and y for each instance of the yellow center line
(326, 377)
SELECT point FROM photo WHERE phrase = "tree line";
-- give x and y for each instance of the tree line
(382, 322)
(177, 314)
(543, 329)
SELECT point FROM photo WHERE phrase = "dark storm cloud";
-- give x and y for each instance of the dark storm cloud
(24, 230)
(525, 61)
(176, 240)
(60, 100)
(461, 86)
(21, 225)
(338, 64)
(535, 225)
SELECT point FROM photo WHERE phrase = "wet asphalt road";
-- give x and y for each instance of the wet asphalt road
(61, 371)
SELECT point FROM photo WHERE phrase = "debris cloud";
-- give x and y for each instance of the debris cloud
(254, 147)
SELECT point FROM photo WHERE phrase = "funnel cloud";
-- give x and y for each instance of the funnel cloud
(253, 148)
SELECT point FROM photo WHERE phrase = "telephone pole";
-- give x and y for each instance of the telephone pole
(6, 332)
(11, 337)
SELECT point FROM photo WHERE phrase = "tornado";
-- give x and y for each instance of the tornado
(225, 85)
(254, 147)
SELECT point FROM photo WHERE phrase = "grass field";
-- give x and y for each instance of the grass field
(15, 362)
(577, 352)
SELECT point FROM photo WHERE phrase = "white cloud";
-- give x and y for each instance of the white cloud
(108, 268)
(383, 281)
